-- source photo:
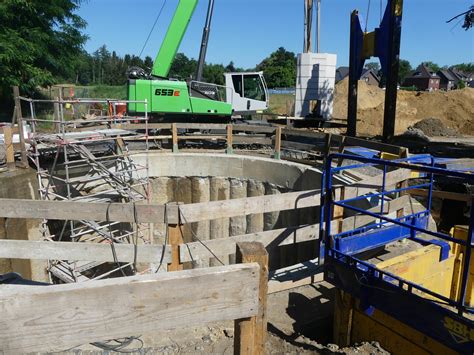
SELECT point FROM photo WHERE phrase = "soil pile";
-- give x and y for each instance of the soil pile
(434, 127)
(454, 109)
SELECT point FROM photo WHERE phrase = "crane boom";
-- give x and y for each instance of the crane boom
(174, 36)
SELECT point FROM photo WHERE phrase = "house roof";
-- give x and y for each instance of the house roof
(446, 74)
(366, 72)
(341, 73)
(423, 72)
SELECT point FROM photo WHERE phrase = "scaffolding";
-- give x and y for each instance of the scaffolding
(80, 155)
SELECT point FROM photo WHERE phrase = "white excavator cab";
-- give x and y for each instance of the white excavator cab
(247, 92)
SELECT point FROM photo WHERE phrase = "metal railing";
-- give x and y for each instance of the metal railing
(343, 251)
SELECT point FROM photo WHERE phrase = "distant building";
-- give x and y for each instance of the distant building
(341, 73)
(467, 78)
(368, 75)
(447, 80)
(423, 78)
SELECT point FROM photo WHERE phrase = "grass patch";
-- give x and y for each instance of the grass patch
(108, 92)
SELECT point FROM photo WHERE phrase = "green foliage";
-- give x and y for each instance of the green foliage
(108, 91)
(375, 66)
(465, 67)
(40, 41)
(433, 66)
(182, 67)
(279, 68)
(461, 84)
(404, 70)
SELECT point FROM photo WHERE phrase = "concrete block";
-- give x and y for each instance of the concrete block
(255, 222)
(200, 193)
(219, 228)
(238, 225)
(21, 183)
(315, 72)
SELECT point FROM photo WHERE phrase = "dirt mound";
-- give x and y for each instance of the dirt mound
(455, 109)
(434, 127)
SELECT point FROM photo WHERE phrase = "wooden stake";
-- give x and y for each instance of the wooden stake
(343, 312)
(277, 154)
(174, 133)
(250, 333)
(175, 240)
(19, 119)
(10, 152)
(229, 149)
(338, 214)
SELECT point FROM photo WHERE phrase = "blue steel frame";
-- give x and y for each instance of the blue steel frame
(446, 320)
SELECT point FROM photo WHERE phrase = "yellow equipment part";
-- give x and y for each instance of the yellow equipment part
(421, 266)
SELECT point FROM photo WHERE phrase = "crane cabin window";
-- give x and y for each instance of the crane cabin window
(253, 88)
(238, 82)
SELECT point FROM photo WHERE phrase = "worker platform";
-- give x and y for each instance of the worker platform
(400, 281)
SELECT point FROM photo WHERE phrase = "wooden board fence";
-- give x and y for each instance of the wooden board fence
(59, 317)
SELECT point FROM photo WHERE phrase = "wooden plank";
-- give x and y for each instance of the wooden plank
(23, 249)
(201, 126)
(10, 151)
(60, 317)
(445, 195)
(270, 239)
(361, 220)
(202, 137)
(343, 313)
(69, 210)
(251, 139)
(197, 212)
(176, 239)
(174, 133)
(301, 146)
(19, 120)
(229, 148)
(303, 133)
(250, 333)
(277, 148)
(370, 183)
(358, 142)
(253, 128)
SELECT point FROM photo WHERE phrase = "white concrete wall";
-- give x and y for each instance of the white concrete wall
(315, 80)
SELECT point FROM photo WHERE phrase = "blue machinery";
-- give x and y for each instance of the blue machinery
(447, 320)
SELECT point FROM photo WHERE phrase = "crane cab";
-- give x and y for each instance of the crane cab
(247, 92)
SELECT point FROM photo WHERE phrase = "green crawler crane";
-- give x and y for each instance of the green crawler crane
(175, 100)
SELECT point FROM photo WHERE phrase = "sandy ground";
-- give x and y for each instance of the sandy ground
(455, 109)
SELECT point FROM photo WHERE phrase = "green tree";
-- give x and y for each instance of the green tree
(465, 67)
(214, 73)
(182, 67)
(433, 66)
(375, 66)
(404, 70)
(279, 68)
(40, 42)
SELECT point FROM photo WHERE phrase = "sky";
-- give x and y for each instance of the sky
(247, 31)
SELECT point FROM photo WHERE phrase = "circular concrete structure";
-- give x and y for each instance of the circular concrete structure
(203, 177)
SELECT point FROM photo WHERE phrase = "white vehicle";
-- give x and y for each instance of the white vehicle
(247, 92)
